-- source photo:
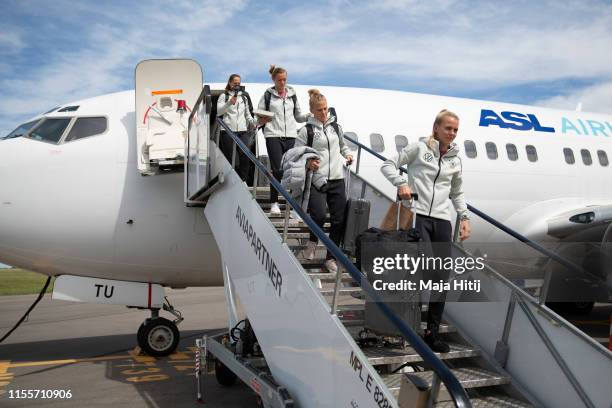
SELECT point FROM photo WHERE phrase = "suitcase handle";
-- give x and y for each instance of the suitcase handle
(348, 182)
(413, 196)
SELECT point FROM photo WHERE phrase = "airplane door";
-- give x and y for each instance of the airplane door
(166, 91)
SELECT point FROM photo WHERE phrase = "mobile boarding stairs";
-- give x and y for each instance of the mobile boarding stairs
(305, 348)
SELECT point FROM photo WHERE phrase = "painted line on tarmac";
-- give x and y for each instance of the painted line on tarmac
(68, 361)
(5, 376)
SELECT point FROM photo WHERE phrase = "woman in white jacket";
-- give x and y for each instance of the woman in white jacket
(233, 107)
(330, 146)
(434, 173)
(281, 130)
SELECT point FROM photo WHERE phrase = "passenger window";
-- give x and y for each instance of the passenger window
(21, 129)
(586, 157)
(85, 127)
(532, 153)
(350, 144)
(377, 143)
(470, 149)
(50, 130)
(491, 150)
(512, 152)
(401, 141)
(569, 155)
(603, 158)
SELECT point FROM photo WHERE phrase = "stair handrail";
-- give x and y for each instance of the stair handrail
(453, 386)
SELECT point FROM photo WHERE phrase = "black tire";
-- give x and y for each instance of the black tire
(224, 375)
(159, 337)
(139, 336)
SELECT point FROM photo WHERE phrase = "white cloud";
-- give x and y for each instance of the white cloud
(110, 51)
(596, 98)
(11, 40)
(442, 45)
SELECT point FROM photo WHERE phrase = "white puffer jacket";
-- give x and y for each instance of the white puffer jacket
(435, 179)
(237, 117)
(284, 122)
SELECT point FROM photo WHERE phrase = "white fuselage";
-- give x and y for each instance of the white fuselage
(82, 208)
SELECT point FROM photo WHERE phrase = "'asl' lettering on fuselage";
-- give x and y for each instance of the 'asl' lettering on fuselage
(513, 120)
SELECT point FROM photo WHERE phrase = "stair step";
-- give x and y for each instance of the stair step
(342, 291)
(294, 223)
(309, 264)
(273, 216)
(388, 355)
(492, 401)
(356, 307)
(298, 228)
(469, 377)
(326, 276)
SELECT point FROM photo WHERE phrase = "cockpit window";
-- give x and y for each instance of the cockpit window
(85, 127)
(51, 110)
(69, 109)
(21, 129)
(50, 130)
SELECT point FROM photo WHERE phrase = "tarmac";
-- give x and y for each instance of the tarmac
(87, 351)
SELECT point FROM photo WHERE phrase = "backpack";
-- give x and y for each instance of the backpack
(310, 133)
(268, 97)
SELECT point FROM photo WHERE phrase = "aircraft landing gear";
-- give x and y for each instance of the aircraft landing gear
(157, 336)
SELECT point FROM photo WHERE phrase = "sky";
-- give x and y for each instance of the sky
(547, 53)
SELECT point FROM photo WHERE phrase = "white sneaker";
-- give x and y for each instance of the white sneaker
(275, 209)
(309, 251)
(295, 216)
(331, 266)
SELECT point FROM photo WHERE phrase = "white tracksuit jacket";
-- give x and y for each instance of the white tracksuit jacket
(435, 179)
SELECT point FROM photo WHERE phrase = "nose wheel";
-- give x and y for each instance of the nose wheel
(157, 336)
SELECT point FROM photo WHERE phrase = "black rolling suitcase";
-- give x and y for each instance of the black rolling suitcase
(405, 303)
(356, 220)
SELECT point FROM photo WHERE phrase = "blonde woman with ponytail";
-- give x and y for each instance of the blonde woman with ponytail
(435, 173)
(281, 130)
(328, 141)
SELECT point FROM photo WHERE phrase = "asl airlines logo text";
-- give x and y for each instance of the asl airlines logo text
(529, 121)
(513, 120)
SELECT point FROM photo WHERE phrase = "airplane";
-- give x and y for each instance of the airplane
(86, 195)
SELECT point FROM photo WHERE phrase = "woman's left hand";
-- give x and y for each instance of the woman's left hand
(464, 230)
(349, 160)
(262, 120)
(313, 164)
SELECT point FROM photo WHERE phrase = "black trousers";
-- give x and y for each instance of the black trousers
(244, 166)
(277, 146)
(335, 198)
(437, 236)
